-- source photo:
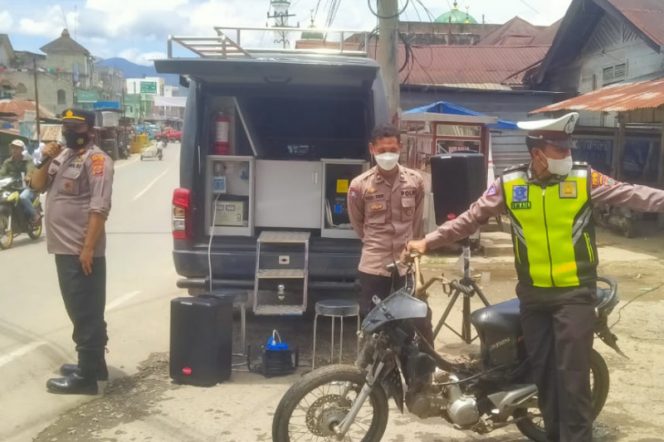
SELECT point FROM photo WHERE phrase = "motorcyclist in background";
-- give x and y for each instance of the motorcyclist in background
(20, 169)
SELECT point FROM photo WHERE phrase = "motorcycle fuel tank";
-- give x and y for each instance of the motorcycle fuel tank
(398, 306)
(499, 327)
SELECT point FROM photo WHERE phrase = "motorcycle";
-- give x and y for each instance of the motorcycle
(13, 220)
(343, 402)
(154, 151)
(622, 219)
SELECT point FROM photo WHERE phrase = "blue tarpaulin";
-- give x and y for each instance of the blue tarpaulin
(445, 107)
(107, 105)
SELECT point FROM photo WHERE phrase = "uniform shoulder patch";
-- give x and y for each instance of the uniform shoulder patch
(598, 179)
(517, 168)
(98, 160)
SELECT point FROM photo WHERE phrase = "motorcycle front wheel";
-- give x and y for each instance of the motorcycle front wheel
(35, 230)
(531, 424)
(316, 404)
(6, 233)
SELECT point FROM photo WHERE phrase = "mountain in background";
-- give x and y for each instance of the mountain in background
(133, 70)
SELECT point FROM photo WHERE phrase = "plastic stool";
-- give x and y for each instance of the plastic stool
(335, 308)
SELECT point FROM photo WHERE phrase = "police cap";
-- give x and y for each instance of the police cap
(555, 131)
(72, 115)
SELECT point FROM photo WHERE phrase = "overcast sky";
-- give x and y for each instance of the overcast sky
(138, 29)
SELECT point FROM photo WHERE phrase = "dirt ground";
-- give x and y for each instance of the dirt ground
(148, 406)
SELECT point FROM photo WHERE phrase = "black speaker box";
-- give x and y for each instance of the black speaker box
(457, 180)
(201, 340)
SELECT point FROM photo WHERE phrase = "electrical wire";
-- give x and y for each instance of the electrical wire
(632, 300)
(332, 12)
(386, 17)
(427, 10)
(528, 5)
(214, 223)
(316, 9)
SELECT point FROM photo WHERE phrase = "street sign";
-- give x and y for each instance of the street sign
(148, 87)
(83, 96)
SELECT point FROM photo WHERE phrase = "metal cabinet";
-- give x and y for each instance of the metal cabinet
(337, 175)
(288, 194)
(229, 206)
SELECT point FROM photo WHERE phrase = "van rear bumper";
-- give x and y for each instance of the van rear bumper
(204, 284)
(332, 264)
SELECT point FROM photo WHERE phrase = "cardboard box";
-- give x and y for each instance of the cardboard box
(230, 213)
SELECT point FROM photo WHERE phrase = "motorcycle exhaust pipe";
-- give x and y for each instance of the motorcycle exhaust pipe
(508, 401)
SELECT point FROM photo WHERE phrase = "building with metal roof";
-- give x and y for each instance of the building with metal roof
(608, 59)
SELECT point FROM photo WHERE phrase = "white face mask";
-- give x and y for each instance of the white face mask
(387, 160)
(560, 167)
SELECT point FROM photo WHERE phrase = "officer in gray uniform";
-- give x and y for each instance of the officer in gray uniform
(549, 202)
(79, 182)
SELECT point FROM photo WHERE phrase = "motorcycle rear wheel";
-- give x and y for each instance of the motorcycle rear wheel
(533, 427)
(321, 412)
(6, 232)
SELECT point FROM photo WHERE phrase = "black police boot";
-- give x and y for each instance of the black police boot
(102, 369)
(74, 383)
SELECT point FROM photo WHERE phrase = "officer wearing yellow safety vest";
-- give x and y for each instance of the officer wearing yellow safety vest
(549, 202)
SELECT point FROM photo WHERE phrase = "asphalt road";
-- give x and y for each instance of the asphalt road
(35, 333)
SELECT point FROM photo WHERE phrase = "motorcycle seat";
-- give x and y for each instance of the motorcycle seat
(503, 316)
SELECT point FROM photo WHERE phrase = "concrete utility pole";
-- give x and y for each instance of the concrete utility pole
(37, 116)
(388, 26)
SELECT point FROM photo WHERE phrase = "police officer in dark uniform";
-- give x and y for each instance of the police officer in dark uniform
(78, 180)
(549, 202)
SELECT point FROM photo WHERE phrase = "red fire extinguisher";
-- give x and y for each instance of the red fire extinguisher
(222, 145)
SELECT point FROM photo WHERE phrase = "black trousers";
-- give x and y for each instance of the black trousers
(559, 339)
(85, 300)
(381, 286)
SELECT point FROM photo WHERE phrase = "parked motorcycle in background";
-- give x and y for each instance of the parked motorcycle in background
(13, 220)
(622, 219)
(343, 402)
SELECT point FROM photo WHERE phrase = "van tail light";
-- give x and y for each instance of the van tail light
(181, 216)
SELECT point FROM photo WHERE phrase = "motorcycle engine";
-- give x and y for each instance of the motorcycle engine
(462, 408)
(421, 399)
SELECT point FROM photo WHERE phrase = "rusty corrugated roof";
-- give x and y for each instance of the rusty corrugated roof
(646, 15)
(449, 65)
(620, 97)
(516, 32)
(18, 108)
(50, 132)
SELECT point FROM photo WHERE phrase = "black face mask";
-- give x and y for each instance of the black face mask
(76, 140)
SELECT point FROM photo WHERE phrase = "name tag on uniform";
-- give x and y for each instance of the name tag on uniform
(567, 189)
(377, 207)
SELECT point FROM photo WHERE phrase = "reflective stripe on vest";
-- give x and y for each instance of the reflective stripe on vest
(553, 236)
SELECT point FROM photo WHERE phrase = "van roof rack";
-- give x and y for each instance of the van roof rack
(349, 42)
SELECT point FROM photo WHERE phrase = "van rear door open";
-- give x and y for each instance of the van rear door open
(299, 133)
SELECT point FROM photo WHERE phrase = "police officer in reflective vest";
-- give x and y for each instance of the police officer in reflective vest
(549, 202)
